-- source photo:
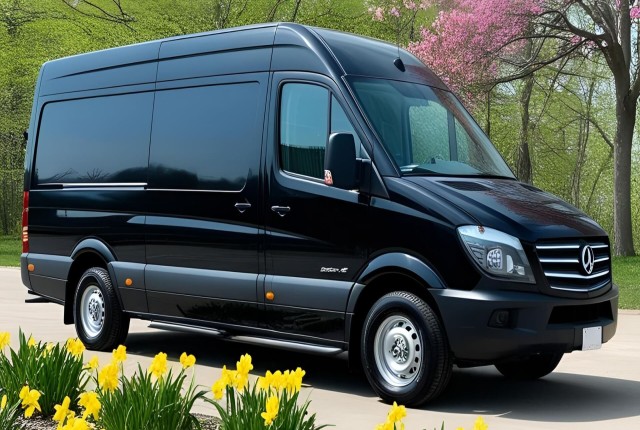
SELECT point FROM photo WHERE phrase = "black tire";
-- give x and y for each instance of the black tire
(404, 350)
(532, 367)
(100, 323)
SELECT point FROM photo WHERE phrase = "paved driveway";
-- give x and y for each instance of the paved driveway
(589, 390)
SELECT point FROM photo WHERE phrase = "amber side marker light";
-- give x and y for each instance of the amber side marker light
(128, 282)
(31, 267)
(270, 295)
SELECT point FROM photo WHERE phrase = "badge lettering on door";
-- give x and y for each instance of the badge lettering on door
(334, 270)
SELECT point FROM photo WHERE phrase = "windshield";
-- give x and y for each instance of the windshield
(426, 130)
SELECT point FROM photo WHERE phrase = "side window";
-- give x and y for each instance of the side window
(95, 140)
(305, 124)
(340, 123)
(205, 138)
(304, 127)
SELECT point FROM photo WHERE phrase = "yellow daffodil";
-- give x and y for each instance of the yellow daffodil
(218, 389)
(76, 424)
(159, 365)
(108, 377)
(386, 426)
(31, 342)
(93, 363)
(264, 382)
(5, 338)
(75, 347)
(480, 424)
(228, 376)
(297, 376)
(3, 402)
(29, 401)
(62, 411)
(272, 410)
(397, 413)
(460, 428)
(187, 360)
(89, 401)
(120, 354)
(244, 366)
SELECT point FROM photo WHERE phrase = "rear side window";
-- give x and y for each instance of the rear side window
(205, 138)
(96, 140)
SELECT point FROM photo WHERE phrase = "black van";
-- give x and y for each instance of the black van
(301, 188)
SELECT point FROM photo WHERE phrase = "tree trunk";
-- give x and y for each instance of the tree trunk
(625, 119)
(523, 168)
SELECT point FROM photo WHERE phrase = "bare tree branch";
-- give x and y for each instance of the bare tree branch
(92, 10)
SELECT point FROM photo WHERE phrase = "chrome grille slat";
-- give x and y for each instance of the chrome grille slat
(559, 260)
(578, 289)
(575, 275)
(562, 265)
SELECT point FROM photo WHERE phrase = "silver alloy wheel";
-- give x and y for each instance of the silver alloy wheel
(92, 311)
(398, 351)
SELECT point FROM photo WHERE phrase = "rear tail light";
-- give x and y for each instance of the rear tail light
(25, 222)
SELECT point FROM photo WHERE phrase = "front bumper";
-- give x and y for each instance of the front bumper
(537, 323)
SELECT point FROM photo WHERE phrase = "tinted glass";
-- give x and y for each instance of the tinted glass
(97, 140)
(205, 138)
(304, 128)
(341, 124)
(427, 131)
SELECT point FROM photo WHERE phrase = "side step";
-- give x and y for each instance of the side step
(255, 340)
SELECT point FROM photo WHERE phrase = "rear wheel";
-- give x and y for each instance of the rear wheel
(405, 354)
(100, 322)
(532, 367)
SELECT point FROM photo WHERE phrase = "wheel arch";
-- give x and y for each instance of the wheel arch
(381, 276)
(88, 253)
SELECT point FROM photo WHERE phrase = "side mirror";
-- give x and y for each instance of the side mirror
(340, 165)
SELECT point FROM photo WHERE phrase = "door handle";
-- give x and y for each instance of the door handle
(242, 207)
(281, 210)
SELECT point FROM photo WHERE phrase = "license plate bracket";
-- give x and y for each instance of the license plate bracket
(591, 338)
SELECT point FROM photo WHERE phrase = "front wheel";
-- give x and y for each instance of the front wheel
(532, 367)
(405, 353)
(100, 323)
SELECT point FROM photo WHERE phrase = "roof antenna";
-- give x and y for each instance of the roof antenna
(398, 61)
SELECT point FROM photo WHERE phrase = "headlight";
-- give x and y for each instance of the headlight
(497, 253)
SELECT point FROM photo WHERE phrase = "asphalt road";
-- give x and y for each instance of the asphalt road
(589, 390)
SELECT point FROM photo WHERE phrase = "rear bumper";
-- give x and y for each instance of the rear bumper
(537, 323)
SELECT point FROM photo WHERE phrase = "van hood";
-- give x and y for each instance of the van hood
(515, 208)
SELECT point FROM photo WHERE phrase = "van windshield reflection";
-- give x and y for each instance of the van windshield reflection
(426, 130)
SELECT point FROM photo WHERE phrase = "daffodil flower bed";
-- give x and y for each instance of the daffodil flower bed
(157, 398)
(271, 402)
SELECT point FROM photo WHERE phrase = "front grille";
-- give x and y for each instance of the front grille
(576, 266)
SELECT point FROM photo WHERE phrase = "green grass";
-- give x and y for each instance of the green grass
(626, 273)
(10, 249)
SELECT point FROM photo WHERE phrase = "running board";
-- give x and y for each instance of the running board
(255, 340)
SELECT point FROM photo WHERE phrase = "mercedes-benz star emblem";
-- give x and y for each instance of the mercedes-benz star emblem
(588, 259)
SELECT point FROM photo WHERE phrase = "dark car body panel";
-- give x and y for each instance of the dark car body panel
(258, 251)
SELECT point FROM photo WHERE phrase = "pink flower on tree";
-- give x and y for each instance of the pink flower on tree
(461, 43)
(378, 14)
(634, 12)
(411, 5)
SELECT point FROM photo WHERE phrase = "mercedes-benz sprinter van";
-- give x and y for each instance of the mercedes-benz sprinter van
(305, 189)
